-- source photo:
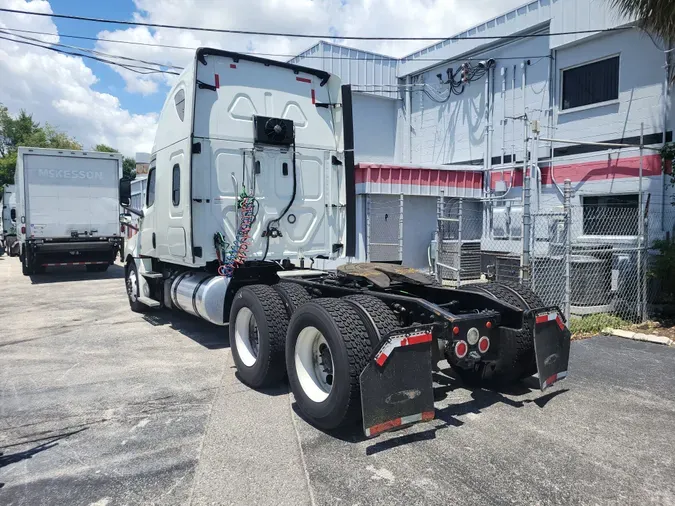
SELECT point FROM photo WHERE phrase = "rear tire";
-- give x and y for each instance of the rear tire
(131, 281)
(516, 359)
(258, 324)
(324, 330)
(375, 315)
(293, 296)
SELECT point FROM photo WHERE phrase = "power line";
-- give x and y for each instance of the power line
(300, 35)
(133, 68)
(92, 51)
(279, 55)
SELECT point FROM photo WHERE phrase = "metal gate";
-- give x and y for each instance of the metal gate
(384, 219)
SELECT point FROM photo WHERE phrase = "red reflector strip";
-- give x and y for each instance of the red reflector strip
(560, 323)
(543, 318)
(313, 97)
(217, 81)
(73, 263)
(398, 342)
(399, 422)
(303, 80)
(233, 66)
(556, 377)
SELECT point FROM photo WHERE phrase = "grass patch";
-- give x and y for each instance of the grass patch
(594, 323)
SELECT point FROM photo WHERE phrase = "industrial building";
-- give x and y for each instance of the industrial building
(455, 119)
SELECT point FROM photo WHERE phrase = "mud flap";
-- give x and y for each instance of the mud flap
(396, 385)
(551, 345)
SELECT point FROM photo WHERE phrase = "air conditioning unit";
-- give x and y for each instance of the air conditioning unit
(274, 131)
(500, 223)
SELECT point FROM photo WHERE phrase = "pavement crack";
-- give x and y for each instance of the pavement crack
(302, 453)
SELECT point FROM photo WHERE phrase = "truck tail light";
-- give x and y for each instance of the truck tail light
(483, 344)
(461, 349)
(23, 229)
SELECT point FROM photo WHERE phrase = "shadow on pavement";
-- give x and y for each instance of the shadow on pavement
(212, 337)
(75, 273)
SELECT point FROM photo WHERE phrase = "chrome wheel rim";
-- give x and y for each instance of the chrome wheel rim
(314, 364)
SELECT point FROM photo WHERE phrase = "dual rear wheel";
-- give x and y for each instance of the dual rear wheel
(322, 344)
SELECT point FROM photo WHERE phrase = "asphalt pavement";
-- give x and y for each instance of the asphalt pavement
(101, 406)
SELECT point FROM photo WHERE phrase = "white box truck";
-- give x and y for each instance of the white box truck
(251, 176)
(67, 208)
(8, 241)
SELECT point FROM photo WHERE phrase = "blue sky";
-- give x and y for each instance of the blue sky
(109, 80)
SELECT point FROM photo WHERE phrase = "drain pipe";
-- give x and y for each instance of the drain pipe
(503, 112)
(408, 117)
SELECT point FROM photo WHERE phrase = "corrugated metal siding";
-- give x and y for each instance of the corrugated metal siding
(374, 178)
(365, 71)
(534, 15)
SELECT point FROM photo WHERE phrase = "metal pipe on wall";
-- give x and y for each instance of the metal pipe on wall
(503, 113)
(513, 114)
(666, 90)
(408, 119)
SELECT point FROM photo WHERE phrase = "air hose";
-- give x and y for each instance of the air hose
(232, 256)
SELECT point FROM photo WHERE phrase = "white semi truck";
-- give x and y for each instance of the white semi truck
(8, 241)
(67, 208)
(251, 178)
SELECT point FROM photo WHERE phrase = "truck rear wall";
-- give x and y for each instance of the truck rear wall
(67, 195)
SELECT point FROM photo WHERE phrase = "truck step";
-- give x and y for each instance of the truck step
(148, 301)
(152, 275)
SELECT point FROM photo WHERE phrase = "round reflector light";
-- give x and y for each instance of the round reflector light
(488, 324)
(461, 349)
(455, 330)
(472, 336)
(483, 344)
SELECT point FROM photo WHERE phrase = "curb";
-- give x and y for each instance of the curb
(637, 336)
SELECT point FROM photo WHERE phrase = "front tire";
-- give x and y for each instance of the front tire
(133, 286)
(327, 348)
(258, 324)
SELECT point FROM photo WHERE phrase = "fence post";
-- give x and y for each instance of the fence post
(641, 236)
(567, 205)
(400, 227)
(439, 239)
(527, 218)
(459, 241)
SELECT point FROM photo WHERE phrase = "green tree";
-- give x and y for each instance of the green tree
(23, 131)
(128, 164)
(655, 16)
(129, 167)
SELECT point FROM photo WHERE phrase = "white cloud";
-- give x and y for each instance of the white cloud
(399, 18)
(58, 89)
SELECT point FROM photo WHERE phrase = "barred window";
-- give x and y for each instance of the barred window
(611, 215)
(592, 83)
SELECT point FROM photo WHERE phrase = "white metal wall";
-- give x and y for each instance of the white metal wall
(365, 71)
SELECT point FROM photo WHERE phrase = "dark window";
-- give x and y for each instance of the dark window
(150, 192)
(180, 104)
(591, 84)
(12, 214)
(611, 215)
(175, 186)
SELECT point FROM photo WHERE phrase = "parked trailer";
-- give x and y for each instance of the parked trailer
(251, 178)
(68, 208)
(8, 242)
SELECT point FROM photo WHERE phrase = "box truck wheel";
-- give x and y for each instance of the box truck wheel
(133, 288)
(258, 324)
(327, 348)
(515, 358)
(27, 264)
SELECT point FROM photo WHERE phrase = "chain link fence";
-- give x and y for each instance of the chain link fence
(591, 259)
